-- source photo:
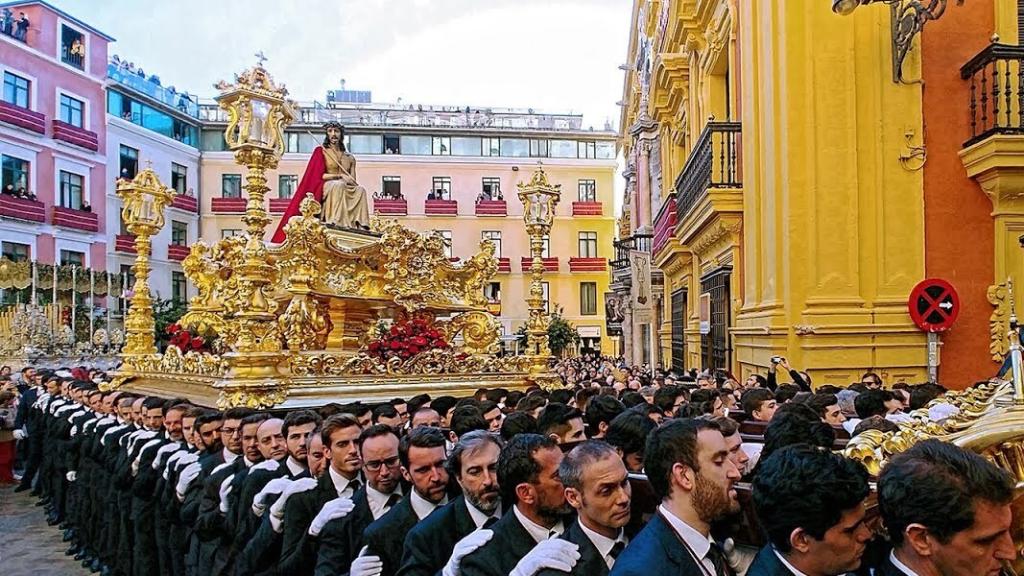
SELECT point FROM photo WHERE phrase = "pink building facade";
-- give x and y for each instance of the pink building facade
(53, 137)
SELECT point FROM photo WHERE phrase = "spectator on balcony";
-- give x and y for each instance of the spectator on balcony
(7, 22)
(483, 197)
(155, 79)
(431, 195)
(85, 206)
(9, 190)
(21, 32)
(78, 48)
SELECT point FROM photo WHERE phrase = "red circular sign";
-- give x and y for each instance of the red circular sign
(934, 305)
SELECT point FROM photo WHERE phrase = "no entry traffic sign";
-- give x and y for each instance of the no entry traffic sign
(934, 305)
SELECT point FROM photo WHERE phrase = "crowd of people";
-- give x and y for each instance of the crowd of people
(623, 472)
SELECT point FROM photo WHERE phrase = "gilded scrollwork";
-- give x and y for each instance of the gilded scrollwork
(999, 320)
(432, 362)
(479, 332)
(256, 397)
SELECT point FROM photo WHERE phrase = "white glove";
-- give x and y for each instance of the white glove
(173, 447)
(187, 476)
(275, 486)
(188, 459)
(277, 510)
(225, 489)
(366, 565)
(739, 559)
(269, 465)
(135, 467)
(71, 475)
(74, 431)
(555, 554)
(20, 434)
(463, 547)
(337, 508)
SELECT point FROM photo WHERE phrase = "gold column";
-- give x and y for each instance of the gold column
(258, 112)
(145, 198)
(539, 199)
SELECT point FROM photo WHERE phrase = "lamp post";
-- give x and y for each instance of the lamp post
(539, 199)
(145, 198)
(258, 112)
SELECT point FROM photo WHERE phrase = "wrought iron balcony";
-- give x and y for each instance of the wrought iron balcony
(641, 242)
(997, 91)
(714, 162)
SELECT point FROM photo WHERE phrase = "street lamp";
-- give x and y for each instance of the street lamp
(258, 111)
(539, 198)
(145, 198)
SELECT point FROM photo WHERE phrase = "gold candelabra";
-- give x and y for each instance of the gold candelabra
(145, 198)
(539, 198)
(258, 111)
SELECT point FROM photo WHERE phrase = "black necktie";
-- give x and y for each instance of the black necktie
(490, 521)
(617, 549)
(717, 557)
(395, 498)
(355, 485)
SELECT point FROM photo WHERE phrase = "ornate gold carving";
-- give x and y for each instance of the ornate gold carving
(804, 329)
(999, 320)
(256, 397)
(172, 361)
(718, 232)
(305, 324)
(479, 332)
(431, 362)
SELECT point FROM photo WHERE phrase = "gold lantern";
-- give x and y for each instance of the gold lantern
(539, 198)
(145, 199)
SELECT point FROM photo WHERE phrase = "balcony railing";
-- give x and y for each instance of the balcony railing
(664, 223)
(641, 242)
(22, 117)
(184, 103)
(228, 205)
(997, 91)
(714, 162)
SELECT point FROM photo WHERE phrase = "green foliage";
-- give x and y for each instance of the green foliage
(165, 313)
(562, 335)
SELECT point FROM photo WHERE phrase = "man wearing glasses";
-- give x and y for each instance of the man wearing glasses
(871, 380)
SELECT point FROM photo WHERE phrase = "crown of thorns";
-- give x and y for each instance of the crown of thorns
(332, 124)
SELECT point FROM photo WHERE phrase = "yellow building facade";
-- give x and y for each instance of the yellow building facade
(448, 179)
(764, 141)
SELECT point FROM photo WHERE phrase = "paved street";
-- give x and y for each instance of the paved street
(27, 545)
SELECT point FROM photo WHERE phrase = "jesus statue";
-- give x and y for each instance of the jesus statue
(331, 177)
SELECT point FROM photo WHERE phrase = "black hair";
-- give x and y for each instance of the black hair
(376, 430)
(238, 413)
(674, 442)
(936, 484)
(628, 432)
(257, 418)
(341, 139)
(299, 418)
(422, 437)
(443, 404)
(820, 403)
(207, 417)
(384, 411)
(665, 397)
(153, 402)
(752, 400)
(518, 423)
(805, 487)
(529, 403)
(796, 424)
(786, 392)
(175, 403)
(602, 409)
(632, 398)
(871, 403)
(555, 417)
(486, 406)
(920, 396)
(561, 396)
(466, 419)
(518, 464)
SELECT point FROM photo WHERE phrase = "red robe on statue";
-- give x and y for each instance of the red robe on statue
(312, 181)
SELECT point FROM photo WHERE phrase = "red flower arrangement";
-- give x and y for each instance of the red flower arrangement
(407, 338)
(185, 340)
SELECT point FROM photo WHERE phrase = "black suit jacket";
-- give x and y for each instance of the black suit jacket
(887, 568)
(429, 544)
(591, 562)
(342, 538)
(656, 551)
(499, 556)
(298, 548)
(766, 563)
(385, 537)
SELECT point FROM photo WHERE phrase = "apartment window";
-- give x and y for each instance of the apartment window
(587, 191)
(492, 291)
(588, 298)
(179, 178)
(129, 162)
(71, 110)
(179, 233)
(70, 257)
(465, 146)
(587, 150)
(441, 188)
(563, 148)
(230, 232)
(447, 236)
(588, 244)
(72, 47)
(490, 147)
(70, 190)
(495, 237)
(545, 247)
(16, 252)
(545, 289)
(515, 147)
(539, 148)
(286, 184)
(391, 186)
(14, 173)
(441, 146)
(492, 188)
(178, 287)
(231, 186)
(392, 144)
(16, 90)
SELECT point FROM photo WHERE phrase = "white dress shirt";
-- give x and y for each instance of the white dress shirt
(229, 456)
(478, 516)
(603, 543)
(536, 531)
(378, 501)
(343, 486)
(698, 543)
(900, 565)
(294, 466)
(787, 564)
(423, 507)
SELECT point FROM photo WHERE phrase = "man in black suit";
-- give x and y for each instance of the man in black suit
(340, 434)
(597, 487)
(528, 477)
(422, 456)
(810, 503)
(689, 468)
(947, 511)
(561, 422)
(474, 464)
(341, 538)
